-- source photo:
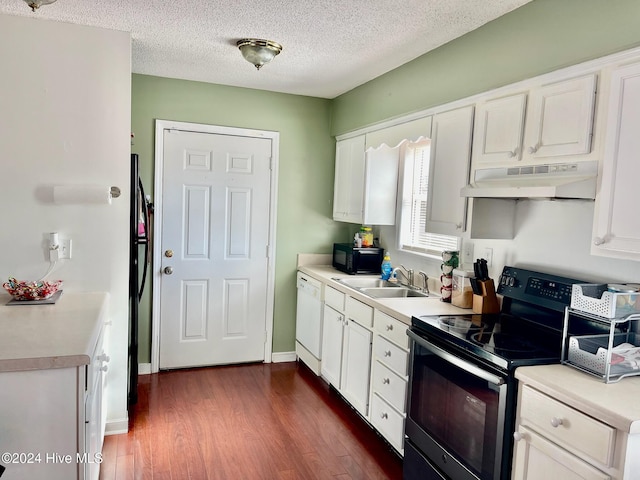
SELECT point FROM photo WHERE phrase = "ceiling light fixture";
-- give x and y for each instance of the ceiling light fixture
(258, 52)
(35, 4)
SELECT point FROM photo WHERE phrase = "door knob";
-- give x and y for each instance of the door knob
(168, 270)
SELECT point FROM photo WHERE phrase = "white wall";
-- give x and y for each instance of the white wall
(65, 114)
(551, 236)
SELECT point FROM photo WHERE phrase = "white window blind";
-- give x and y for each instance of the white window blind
(413, 234)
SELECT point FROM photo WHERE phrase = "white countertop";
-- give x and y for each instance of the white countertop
(401, 308)
(37, 337)
(617, 404)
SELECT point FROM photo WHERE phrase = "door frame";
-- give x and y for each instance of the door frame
(160, 127)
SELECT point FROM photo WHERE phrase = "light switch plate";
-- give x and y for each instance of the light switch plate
(65, 248)
(488, 256)
(467, 253)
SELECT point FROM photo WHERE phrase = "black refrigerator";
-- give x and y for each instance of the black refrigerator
(139, 257)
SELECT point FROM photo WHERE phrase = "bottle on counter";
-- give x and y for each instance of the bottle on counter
(386, 267)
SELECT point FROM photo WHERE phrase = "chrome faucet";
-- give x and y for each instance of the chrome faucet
(425, 281)
(407, 273)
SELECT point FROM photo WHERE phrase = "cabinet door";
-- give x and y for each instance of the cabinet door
(381, 186)
(348, 195)
(498, 130)
(449, 171)
(535, 457)
(617, 223)
(356, 366)
(332, 337)
(560, 118)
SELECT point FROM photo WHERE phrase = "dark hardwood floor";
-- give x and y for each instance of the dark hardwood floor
(259, 421)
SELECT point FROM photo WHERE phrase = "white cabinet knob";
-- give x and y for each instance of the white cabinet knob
(104, 368)
(104, 357)
(511, 154)
(533, 149)
(517, 436)
(556, 422)
(598, 241)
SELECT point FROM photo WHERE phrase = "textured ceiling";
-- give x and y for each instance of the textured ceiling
(329, 46)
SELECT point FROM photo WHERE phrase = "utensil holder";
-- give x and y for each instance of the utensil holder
(487, 302)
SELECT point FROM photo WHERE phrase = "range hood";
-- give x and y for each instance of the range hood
(561, 180)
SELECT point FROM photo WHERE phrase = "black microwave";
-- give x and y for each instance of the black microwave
(353, 260)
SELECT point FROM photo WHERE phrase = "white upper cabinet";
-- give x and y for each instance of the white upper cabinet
(366, 173)
(449, 171)
(553, 120)
(499, 128)
(616, 231)
(560, 118)
(348, 194)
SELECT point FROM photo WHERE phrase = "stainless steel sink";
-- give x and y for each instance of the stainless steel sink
(360, 283)
(378, 288)
(397, 292)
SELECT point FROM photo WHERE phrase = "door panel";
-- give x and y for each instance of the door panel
(215, 194)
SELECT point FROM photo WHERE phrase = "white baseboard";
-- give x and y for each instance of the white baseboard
(144, 369)
(281, 357)
(116, 427)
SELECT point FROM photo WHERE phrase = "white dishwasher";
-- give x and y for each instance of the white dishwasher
(309, 321)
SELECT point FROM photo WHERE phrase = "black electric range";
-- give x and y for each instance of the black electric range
(462, 377)
(527, 331)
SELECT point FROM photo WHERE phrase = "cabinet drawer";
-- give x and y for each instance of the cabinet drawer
(390, 354)
(574, 430)
(359, 312)
(334, 298)
(389, 386)
(387, 421)
(393, 329)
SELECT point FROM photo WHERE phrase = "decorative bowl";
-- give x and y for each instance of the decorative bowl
(39, 290)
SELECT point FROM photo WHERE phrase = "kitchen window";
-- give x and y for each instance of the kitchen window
(413, 215)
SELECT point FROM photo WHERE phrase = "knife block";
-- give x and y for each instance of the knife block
(487, 302)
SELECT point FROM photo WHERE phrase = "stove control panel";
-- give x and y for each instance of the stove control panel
(550, 291)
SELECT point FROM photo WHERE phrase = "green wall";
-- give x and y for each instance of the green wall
(305, 180)
(539, 37)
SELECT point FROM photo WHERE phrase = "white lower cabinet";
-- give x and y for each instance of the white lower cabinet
(332, 337)
(356, 366)
(537, 457)
(365, 356)
(554, 440)
(52, 421)
(346, 347)
(389, 378)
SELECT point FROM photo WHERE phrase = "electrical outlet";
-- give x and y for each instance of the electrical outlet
(467, 253)
(65, 248)
(488, 256)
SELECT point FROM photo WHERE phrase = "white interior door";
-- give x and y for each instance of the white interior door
(214, 247)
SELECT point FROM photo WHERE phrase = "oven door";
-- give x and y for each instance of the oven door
(456, 414)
